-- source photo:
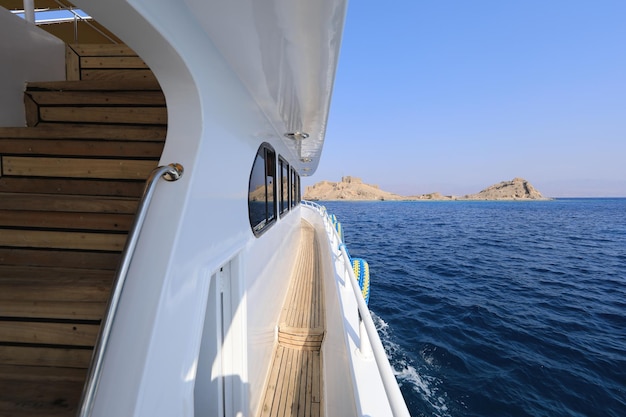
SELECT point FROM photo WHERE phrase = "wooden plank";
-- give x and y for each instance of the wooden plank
(271, 387)
(54, 285)
(291, 406)
(300, 345)
(102, 50)
(74, 334)
(303, 377)
(316, 382)
(112, 62)
(32, 111)
(76, 131)
(283, 383)
(71, 203)
(129, 115)
(37, 356)
(79, 187)
(83, 147)
(118, 75)
(318, 302)
(66, 310)
(96, 85)
(64, 240)
(76, 259)
(35, 276)
(109, 98)
(72, 64)
(77, 168)
(68, 221)
(41, 373)
(40, 391)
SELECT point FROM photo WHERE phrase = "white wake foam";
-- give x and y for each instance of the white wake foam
(426, 386)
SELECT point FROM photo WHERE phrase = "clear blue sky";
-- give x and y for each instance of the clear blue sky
(456, 95)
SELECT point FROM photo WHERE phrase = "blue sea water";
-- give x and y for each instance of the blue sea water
(498, 308)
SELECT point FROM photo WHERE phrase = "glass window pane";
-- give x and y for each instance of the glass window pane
(257, 194)
(270, 164)
(284, 186)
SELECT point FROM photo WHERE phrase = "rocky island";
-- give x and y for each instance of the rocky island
(354, 189)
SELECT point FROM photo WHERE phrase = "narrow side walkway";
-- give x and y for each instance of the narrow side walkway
(295, 384)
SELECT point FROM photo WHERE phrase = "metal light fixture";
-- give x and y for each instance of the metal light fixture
(297, 135)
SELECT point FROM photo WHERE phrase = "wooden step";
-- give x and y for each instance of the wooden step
(137, 145)
(72, 187)
(81, 147)
(54, 284)
(85, 50)
(105, 62)
(114, 115)
(51, 310)
(119, 102)
(57, 258)
(35, 293)
(65, 221)
(102, 98)
(62, 357)
(39, 390)
(49, 333)
(68, 203)
(301, 339)
(93, 86)
(76, 167)
(95, 132)
(62, 240)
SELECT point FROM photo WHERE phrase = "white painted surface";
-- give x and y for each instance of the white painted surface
(27, 53)
(285, 52)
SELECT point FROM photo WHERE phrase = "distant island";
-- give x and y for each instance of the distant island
(354, 189)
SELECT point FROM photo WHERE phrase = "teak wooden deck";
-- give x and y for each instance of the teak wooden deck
(294, 387)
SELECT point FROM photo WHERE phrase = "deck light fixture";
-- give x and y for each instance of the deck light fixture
(297, 135)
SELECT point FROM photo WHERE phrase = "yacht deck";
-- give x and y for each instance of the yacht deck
(294, 387)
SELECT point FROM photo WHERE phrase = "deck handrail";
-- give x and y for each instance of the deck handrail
(392, 389)
(171, 172)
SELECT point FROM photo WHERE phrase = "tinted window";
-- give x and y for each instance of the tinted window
(298, 194)
(293, 187)
(284, 185)
(261, 190)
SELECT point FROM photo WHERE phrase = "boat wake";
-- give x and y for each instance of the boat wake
(427, 387)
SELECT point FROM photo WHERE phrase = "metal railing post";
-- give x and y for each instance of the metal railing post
(29, 11)
(365, 347)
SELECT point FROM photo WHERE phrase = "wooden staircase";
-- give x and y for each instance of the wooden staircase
(70, 183)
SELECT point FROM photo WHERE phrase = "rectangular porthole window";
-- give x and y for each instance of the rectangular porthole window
(284, 185)
(294, 194)
(262, 190)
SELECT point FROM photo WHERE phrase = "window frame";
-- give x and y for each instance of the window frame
(267, 154)
(284, 204)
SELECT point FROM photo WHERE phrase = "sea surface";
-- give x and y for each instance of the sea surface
(498, 308)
